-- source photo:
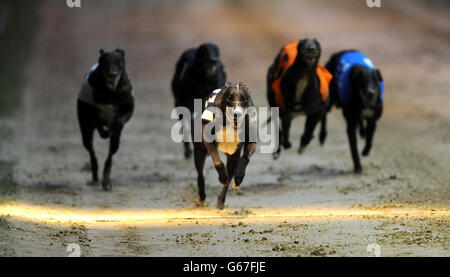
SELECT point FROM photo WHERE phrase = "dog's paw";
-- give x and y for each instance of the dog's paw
(93, 183)
(201, 204)
(187, 153)
(235, 187)
(276, 155)
(238, 180)
(287, 145)
(223, 175)
(86, 167)
(301, 150)
(358, 170)
(366, 152)
(220, 205)
(202, 197)
(322, 138)
(107, 185)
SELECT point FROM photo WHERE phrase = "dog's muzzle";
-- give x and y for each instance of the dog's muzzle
(112, 80)
(235, 116)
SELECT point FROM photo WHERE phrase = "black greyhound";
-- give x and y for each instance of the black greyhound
(231, 104)
(105, 103)
(297, 84)
(357, 87)
(198, 72)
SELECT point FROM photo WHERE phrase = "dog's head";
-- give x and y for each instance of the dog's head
(234, 101)
(366, 83)
(309, 51)
(207, 59)
(112, 67)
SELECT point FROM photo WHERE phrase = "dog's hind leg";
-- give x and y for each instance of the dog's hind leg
(370, 131)
(362, 128)
(200, 154)
(187, 132)
(308, 134)
(187, 150)
(283, 135)
(232, 161)
(113, 148)
(323, 129)
(277, 153)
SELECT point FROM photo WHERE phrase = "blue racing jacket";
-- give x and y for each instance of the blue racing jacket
(346, 62)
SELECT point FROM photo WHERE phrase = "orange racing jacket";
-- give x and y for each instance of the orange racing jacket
(290, 51)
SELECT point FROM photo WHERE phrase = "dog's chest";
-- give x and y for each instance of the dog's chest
(368, 113)
(107, 113)
(227, 140)
(299, 91)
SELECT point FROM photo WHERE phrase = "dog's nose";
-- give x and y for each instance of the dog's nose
(113, 74)
(310, 47)
(371, 94)
(238, 112)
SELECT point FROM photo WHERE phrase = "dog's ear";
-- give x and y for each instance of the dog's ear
(379, 76)
(102, 52)
(318, 45)
(219, 100)
(121, 52)
(217, 50)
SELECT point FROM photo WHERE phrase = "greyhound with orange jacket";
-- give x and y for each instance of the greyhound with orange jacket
(298, 84)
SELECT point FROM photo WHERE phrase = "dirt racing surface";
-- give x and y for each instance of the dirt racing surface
(300, 205)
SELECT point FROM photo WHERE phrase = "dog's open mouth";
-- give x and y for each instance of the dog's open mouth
(112, 81)
(310, 58)
(235, 116)
(211, 71)
(235, 122)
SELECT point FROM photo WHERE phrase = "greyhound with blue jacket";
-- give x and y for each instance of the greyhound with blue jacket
(357, 86)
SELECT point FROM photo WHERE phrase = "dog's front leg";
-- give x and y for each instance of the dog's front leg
(310, 126)
(199, 158)
(277, 153)
(186, 133)
(351, 133)
(283, 135)
(286, 127)
(323, 129)
(370, 131)
(113, 148)
(232, 163)
(249, 149)
(218, 164)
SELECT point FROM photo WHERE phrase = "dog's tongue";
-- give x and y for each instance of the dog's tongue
(116, 82)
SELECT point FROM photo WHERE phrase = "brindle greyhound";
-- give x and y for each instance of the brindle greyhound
(232, 101)
(105, 103)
